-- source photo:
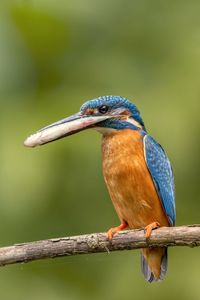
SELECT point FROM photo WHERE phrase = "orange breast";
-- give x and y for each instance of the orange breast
(128, 180)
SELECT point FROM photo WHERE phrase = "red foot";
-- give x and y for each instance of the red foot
(148, 229)
(114, 230)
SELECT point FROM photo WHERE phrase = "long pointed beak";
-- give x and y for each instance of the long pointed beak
(62, 128)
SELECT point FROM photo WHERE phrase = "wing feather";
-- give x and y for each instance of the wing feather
(161, 171)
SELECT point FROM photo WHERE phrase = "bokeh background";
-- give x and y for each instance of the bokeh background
(54, 55)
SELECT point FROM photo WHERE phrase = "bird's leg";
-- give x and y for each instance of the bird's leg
(148, 229)
(114, 230)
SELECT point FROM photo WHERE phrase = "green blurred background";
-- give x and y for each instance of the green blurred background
(54, 55)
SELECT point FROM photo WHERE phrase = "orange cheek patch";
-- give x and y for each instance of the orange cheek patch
(126, 113)
(89, 111)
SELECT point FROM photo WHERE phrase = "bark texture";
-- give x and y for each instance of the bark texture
(97, 242)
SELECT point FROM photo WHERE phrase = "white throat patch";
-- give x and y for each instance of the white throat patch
(104, 130)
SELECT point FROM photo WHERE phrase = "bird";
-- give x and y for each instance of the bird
(136, 169)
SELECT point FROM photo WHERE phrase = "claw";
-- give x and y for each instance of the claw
(114, 230)
(148, 229)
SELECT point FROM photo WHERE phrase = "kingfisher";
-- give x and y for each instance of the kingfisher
(136, 169)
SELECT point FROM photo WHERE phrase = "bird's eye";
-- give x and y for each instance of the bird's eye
(103, 109)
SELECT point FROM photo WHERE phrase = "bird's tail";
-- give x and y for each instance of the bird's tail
(154, 263)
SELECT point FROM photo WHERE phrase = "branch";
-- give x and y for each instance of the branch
(97, 242)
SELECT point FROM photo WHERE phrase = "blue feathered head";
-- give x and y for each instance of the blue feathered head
(114, 106)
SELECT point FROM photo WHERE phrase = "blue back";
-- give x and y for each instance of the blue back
(161, 172)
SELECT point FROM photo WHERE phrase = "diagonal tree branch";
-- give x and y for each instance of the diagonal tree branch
(97, 242)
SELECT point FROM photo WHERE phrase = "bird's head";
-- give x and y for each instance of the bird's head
(106, 113)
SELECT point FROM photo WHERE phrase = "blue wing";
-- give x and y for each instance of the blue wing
(161, 172)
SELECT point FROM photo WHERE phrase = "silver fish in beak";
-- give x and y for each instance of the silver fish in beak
(62, 128)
